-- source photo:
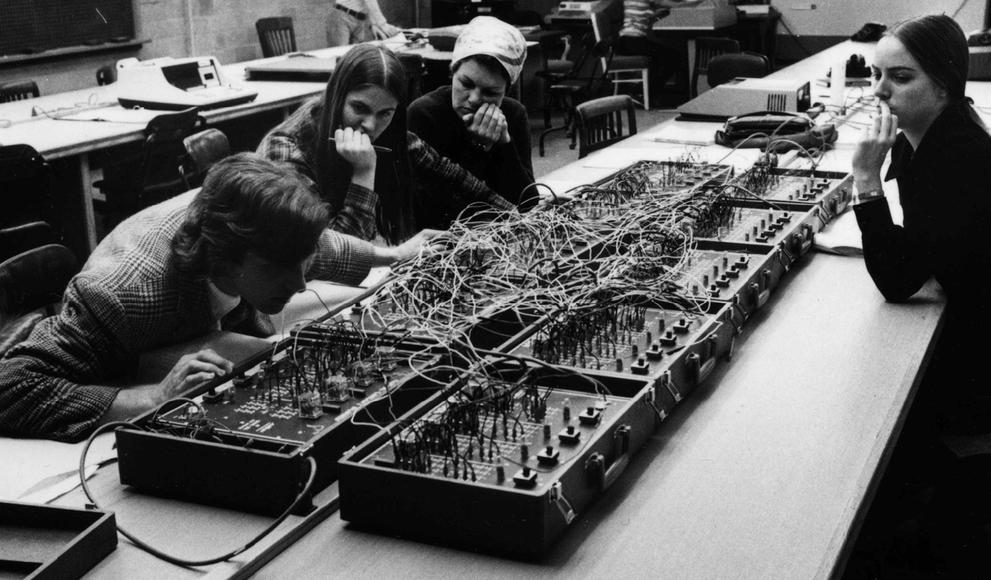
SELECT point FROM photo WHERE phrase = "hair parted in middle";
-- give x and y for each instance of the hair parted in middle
(367, 65)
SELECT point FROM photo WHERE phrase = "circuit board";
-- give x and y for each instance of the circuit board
(829, 190)
(713, 274)
(752, 225)
(624, 338)
(514, 438)
(286, 399)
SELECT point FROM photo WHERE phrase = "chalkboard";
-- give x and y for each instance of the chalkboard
(34, 26)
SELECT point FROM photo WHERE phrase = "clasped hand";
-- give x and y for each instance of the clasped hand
(873, 147)
(356, 148)
(487, 126)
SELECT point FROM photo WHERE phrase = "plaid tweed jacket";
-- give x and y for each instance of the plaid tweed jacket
(128, 299)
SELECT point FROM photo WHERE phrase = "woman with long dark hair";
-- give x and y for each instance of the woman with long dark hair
(354, 144)
(941, 160)
(931, 506)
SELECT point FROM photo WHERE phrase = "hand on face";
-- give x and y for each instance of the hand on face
(487, 126)
(876, 141)
(356, 148)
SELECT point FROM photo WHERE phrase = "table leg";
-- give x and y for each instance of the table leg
(86, 192)
(690, 46)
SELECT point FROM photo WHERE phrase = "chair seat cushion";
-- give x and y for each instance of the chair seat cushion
(623, 62)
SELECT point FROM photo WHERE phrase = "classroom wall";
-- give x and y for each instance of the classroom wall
(817, 24)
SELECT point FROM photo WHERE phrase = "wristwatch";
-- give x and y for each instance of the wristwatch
(866, 196)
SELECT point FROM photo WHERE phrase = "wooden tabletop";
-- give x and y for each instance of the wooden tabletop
(762, 473)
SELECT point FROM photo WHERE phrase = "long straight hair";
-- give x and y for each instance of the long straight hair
(938, 44)
(362, 67)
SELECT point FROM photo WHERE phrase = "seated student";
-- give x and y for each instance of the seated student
(354, 21)
(667, 55)
(372, 192)
(471, 121)
(247, 240)
(940, 157)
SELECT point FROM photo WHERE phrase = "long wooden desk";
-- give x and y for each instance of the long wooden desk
(765, 471)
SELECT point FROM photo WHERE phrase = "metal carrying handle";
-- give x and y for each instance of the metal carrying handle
(595, 466)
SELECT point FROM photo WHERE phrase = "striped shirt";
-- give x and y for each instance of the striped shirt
(638, 16)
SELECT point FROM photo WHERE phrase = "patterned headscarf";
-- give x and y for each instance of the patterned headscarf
(493, 37)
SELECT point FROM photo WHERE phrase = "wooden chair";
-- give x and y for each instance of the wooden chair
(600, 122)
(707, 47)
(151, 175)
(18, 91)
(31, 287)
(565, 91)
(726, 67)
(203, 149)
(26, 187)
(276, 35)
(621, 69)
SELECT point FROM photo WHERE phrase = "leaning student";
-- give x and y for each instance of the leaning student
(354, 144)
(472, 121)
(244, 244)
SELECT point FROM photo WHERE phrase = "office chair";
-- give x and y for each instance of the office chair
(18, 91)
(619, 68)
(26, 187)
(276, 35)
(726, 67)
(23, 237)
(600, 122)
(106, 74)
(707, 47)
(151, 175)
(31, 287)
(203, 149)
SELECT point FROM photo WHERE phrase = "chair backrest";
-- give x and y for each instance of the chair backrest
(26, 190)
(726, 67)
(106, 74)
(203, 149)
(276, 35)
(23, 237)
(707, 47)
(600, 122)
(603, 34)
(35, 278)
(18, 91)
(158, 175)
(30, 281)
